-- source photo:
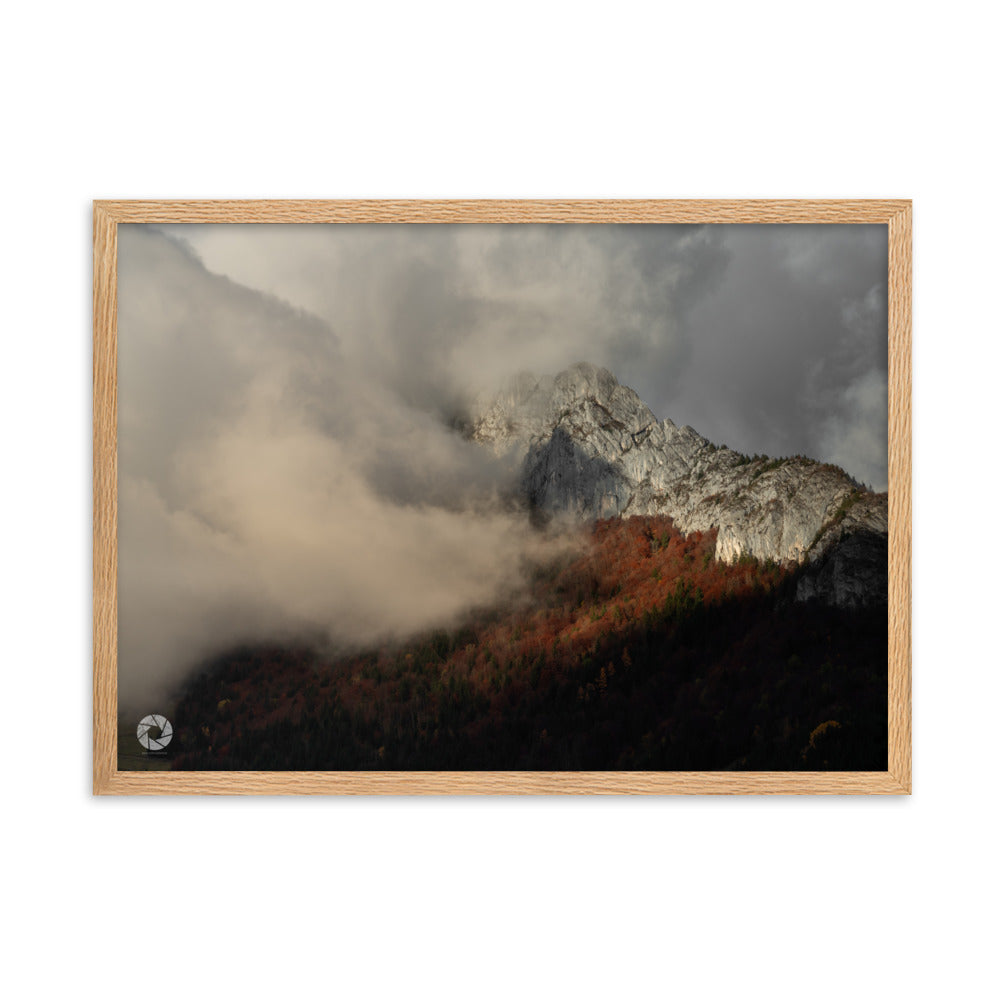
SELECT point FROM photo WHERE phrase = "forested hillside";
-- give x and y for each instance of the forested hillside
(638, 650)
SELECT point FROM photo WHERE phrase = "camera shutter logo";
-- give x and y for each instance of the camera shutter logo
(158, 724)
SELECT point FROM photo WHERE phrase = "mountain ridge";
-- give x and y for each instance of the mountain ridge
(587, 447)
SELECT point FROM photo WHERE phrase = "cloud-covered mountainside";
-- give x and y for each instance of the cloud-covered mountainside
(266, 492)
(291, 405)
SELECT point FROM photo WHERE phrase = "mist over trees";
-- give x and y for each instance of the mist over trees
(641, 652)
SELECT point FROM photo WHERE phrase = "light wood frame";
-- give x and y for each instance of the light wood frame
(896, 215)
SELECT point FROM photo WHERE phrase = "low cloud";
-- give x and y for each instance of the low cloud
(266, 491)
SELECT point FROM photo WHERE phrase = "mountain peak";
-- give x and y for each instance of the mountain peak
(583, 399)
(586, 377)
(589, 447)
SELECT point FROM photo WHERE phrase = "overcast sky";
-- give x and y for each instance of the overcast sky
(285, 393)
(770, 339)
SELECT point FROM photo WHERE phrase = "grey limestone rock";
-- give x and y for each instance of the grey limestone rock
(589, 447)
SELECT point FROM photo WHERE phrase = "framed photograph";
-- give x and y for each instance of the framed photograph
(505, 497)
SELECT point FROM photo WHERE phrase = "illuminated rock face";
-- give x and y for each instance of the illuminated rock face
(588, 447)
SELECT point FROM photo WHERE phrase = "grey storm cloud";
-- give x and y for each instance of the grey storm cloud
(761, 337)
(287, 398)
(789, 355)
(439, 312)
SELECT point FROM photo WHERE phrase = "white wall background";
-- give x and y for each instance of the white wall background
(713, 898)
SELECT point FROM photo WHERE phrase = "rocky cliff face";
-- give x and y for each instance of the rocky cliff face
(851, 573)
(589, 447)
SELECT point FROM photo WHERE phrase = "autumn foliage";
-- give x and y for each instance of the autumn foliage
(635, 650)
